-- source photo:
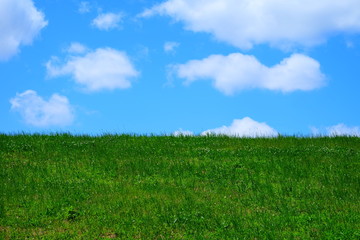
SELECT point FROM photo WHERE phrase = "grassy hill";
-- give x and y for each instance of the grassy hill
(162, 187)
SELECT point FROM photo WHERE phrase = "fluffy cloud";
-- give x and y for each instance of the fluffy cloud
(237, 71)
(20, 22)
(169, 47)
(245, 127)
(102, 69)
(281, 23)
(40, 113)
(107, 21)
(343, 130)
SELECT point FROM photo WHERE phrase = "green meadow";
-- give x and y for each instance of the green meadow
(62, 186)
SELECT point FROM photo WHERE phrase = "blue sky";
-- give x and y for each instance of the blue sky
(235, 67)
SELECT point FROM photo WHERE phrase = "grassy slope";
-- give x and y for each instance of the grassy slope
(67, 187)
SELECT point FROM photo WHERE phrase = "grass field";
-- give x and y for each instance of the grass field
(162, 187)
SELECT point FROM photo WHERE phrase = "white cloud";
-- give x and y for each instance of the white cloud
(237, 71)
(245, 127)
(281, 23)
(76, 48)
(169, 47)
(102, 69)
(20, 23)
(343, 130)
(107, 21)
(35, 111)
(84, 7)
(181, 132)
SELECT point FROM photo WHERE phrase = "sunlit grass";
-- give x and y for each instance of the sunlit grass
(163, 187)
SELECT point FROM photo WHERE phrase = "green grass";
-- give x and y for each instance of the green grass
(162, 187)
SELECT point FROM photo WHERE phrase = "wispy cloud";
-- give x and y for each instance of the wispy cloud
(280, 23)
(245, 127)
(170, 47)
(76, 48)
(340, 129)
(350, 44)
(181, 132)
(38, 112)
(237, 71)
(107, 21)
(101, 69)
(84, 7)
(20, 23)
